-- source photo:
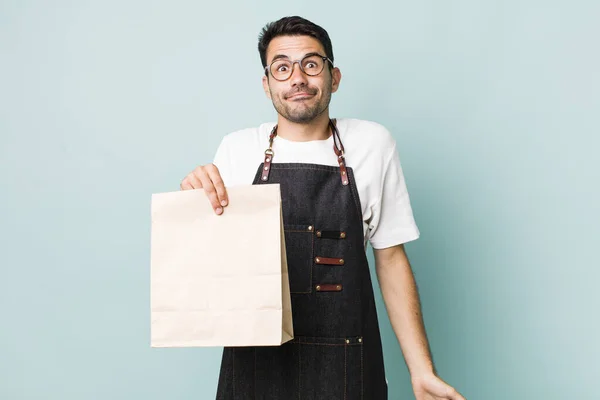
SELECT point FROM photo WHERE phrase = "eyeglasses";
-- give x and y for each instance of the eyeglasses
(312, 64)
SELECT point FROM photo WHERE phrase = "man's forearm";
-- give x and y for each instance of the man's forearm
(401, 299)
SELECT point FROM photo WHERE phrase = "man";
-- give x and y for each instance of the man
(342, 186)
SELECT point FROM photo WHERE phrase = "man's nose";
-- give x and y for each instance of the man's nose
(298, 77)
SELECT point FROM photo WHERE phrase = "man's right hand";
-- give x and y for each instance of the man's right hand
(207, 177)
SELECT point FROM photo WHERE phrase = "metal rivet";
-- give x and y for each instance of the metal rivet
(343, 235)
(264, 178)
(318, 233)
(347, 341)
(318, 287)
(310, 228)
(345, 182)
(268, 160)
(359, 340)
(341, 260)
(343, 172)
(317, 259)
(266, 168)
(338, 287)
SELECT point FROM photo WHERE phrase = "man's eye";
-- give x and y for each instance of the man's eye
(282, 68)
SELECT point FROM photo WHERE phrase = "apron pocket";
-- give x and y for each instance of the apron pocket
(330, 368)
(299, 241)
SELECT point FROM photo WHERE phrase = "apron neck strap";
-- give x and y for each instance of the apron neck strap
(338, 148)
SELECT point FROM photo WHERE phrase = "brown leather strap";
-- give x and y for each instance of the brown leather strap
(339, 151)
(269, 156)
(328, 287)
(329, 261)
(338, 148)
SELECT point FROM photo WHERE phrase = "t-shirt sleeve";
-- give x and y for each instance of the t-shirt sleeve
(222, 160)
(393, 222)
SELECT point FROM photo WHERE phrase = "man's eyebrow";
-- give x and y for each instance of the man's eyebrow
(280, 56)
(314, 53)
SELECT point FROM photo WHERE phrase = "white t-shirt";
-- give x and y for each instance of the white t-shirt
(370, 150)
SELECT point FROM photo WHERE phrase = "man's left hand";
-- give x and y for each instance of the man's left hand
(430, 387)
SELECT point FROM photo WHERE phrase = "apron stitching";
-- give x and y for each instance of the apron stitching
(315, 168)
(356, 198)
(345, 372)
(312, 243)
(329, 344)
(299, 371)
(312, 256)
(362, 388)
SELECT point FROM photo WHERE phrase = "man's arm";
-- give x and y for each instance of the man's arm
(401, 299)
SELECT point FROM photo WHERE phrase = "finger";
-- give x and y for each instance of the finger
(215, 177)
(194, 180)
(454, 395)
(185, 185)
(190, 182)
(436, 387)
(211, 192)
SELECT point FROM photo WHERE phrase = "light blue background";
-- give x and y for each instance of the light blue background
(494, 104)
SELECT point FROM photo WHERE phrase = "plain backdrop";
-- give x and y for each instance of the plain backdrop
(494, 105)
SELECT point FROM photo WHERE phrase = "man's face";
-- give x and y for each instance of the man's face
(301, 98)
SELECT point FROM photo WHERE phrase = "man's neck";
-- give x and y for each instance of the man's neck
(317, 129)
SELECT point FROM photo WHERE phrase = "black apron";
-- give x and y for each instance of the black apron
(336, 353)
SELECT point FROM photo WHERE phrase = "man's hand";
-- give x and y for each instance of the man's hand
(207, 177)
(430, 387)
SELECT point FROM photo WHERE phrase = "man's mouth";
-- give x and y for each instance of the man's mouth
(300, 96)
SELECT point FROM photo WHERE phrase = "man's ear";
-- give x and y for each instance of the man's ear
(265, 82)
(336, 77)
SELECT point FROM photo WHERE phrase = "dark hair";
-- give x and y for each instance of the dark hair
(292, 26)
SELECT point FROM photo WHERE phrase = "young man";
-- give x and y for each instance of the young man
(342, 186)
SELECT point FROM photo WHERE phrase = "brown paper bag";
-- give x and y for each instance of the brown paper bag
(219, 280)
